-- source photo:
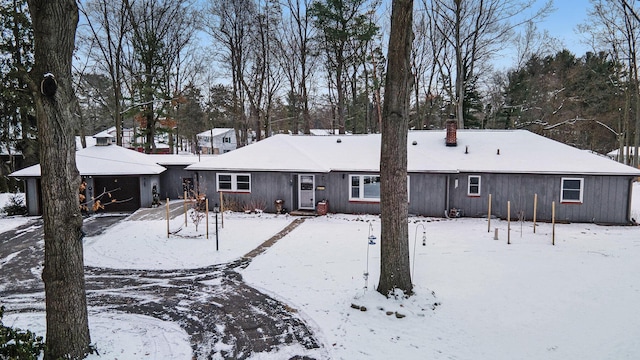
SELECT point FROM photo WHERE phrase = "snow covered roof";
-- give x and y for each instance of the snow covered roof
(105, 161)
(216, 132)
(90, 141)
(104, 134)
(497, 151)
(323, 132)
(178, 159)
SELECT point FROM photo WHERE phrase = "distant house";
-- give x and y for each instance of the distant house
(217, 141)
(323, 132)
(120, 178)
(445, 177)
(627, 154)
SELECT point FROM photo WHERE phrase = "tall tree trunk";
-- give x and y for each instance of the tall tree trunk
(54, 24)
(395, 271)
(341, 96)
(460, 70)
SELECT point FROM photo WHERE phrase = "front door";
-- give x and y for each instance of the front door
(306, 192)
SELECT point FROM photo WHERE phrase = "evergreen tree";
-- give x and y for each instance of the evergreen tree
(18, 129)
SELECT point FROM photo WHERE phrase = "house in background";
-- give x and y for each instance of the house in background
(450, 173)
(120, 178)
(217, 141)
(323, 132)
(627, 154)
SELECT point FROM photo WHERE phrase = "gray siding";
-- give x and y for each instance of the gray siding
(170, 183)
(32, 196)
(605, 198)
(146, 184)
(266, 188)
(427, 194)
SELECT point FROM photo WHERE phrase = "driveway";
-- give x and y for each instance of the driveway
(212, 304)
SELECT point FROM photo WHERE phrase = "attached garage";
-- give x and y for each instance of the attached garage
(120, 193)
(121, 179)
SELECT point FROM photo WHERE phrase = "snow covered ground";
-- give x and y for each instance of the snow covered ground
(476, 297)
(10, 222)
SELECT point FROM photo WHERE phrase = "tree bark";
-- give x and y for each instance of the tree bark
(54, 25)
(395, 271)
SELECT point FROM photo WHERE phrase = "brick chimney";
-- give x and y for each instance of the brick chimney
(452, 127)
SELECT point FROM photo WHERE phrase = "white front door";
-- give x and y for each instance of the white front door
(306, 192)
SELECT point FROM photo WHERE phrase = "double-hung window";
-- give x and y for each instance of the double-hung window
(234, 182)
(571, 190)
(473, 188)
(364, 187)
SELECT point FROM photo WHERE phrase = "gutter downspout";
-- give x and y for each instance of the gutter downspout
(629, 218)
(446, 194)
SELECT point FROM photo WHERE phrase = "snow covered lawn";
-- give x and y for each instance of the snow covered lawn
(527, 300)
(144, 244)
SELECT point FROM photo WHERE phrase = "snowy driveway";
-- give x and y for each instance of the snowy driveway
(224, 317)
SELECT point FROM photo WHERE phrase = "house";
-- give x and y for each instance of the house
(627, 154)
(120, 178)
(217, 141)
(450, 173)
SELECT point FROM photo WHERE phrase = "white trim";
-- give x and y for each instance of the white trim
(361, 187)
(312, 191)
(478, 193)
(577, 201)
(233, 182)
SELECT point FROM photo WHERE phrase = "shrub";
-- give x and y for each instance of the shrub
(19, 344)
(15, 206)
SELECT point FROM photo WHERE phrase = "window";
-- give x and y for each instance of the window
(473, 185)
(234, 182)
(226, 140)
(365, 187)
(571, 191)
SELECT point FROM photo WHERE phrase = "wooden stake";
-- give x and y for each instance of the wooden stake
(185, 208)
(221, 211)
(206, 207)
(535, 211)
(489, 215)
(553, 223)
(167, 218)
(508, 222)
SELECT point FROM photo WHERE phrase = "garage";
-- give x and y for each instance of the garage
(117, 193)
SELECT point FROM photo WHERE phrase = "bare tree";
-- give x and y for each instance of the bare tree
(298, 60)
(160, 32)
(108, 25)
(264, 76)
(475, 30)
(615, 25)
(532, 42)
(339, 24)
(230, 25)
(395, 272)
(54, 24)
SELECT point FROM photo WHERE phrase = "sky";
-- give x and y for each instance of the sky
(561, 24)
